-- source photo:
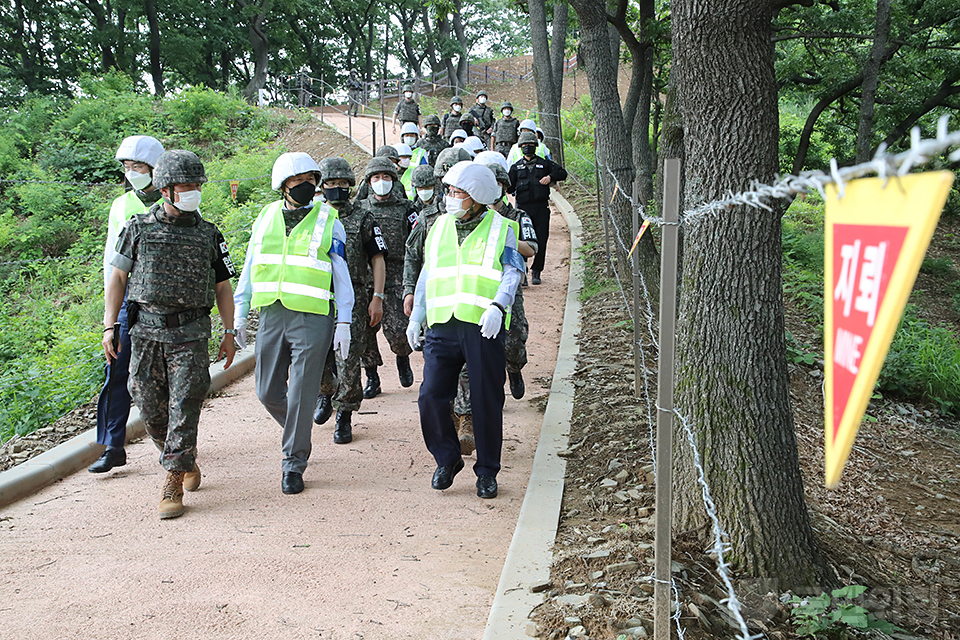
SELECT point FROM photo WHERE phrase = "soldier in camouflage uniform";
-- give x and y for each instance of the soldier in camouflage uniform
(354, 93)
(395, 217)
(451, 119)
(386, 151)
(433, 143)
(506, 131)
(174, 266)
(364, 246)
(484, 117)
(467, 123)
(424, 184)
(516, 343)
(407, 109)
(413, 262)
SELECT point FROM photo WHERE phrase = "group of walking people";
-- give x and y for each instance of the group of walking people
(429, 250)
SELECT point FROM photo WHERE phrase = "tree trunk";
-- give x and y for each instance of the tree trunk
(871, 78)
(260, 44)
(548, 68)
(732, 381)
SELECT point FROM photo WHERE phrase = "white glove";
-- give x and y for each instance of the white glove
(414, 329)
(490, 322)
(341, 339)
(240, 324)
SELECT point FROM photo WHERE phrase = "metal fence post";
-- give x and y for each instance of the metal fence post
(606, 230)
(665, 385)
(373, 138)
(322, 101)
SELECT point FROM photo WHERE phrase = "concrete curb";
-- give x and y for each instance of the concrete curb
(81, 450)
(531, 550)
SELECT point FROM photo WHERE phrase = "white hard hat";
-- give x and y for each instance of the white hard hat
(491, 157)
(409, 127)
(475, 179)
(463, 145)
(403, 149)
(292, 164)
(528, 124)
(145, 149)
(474, 145)
(458, 133)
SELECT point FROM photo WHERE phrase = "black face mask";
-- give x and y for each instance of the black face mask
(336, 195)
(529, 149)
(303, 193)
(433, 130)
(468, 127)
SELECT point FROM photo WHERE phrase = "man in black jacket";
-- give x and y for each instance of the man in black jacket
(531, 177)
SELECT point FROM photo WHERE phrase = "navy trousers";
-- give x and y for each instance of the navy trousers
(447, 347)
(539, 213)
(113, 405)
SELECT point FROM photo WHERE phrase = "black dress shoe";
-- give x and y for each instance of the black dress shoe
(292, 482)
(372, 390)
(443, 476)
(109, 459)
(486, 487)
(324, 408)
(536, 278)
(517, 387)
(406, 373)
(344, 431)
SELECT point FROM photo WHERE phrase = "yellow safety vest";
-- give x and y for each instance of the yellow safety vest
(296, 270)
(462, 279)
(122, 209)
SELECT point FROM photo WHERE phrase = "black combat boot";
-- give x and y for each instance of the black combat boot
(406, 373)
(536, 278)
(516, 384)
(372, 390)
(324, 408)
(344, 431)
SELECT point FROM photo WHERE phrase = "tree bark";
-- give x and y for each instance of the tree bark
(732, 381)
(871, 78)
(548, 68)
(260, 45)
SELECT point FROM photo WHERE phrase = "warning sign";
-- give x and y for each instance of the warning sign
(875, 239)
(234, 187)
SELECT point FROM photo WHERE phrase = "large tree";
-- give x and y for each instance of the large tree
(732, 381)
(548, 59)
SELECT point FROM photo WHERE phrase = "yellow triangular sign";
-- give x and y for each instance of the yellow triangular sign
(875, 239)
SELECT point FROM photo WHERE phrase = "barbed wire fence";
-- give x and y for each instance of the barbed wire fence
(758, 196)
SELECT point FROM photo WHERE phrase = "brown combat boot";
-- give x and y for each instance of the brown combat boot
(171, 504)
(191, 479)
(465, 433)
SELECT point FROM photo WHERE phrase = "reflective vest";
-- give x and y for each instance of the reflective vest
(420, 156)
(407, 180)
(122, 209)
(462, 279)
(294, 269)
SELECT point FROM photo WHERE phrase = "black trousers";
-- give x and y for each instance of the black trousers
(539, 213)
(447, 347)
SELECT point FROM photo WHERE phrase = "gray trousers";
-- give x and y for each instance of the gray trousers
(291, 347)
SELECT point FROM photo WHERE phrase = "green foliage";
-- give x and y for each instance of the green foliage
(798, 353)
(578, 140)
(939, 267)
(834, 614)
(923, 362)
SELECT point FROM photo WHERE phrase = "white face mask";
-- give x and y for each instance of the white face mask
(382, 187)
(410, 140)
(425, 194)
(138, 180)
(407, 95)
(404, 162)
(454, 206)
(188, 201)
(507, 112)
(457, 108)
(482, 99)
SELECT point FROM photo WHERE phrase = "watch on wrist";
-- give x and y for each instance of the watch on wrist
(231, 332)
(379, 295)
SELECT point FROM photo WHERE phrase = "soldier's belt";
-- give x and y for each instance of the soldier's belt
(171, 320)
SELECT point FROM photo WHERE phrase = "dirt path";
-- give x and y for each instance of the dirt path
(367, 551)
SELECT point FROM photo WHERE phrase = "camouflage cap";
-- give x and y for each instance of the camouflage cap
(482, 92)
(388, 151)
(447, 158)
(337, 168)
(528, 137)
(407, 88)
(456, 100)
(178, 166)
(466, 118)
(506, 105)
(432, 121)
(379, 164)
(500, 173)
(423, 176)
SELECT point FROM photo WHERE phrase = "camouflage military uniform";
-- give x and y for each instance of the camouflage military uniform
(506, 131)
(484, 116)
(364, 241)
(174, 263)
(451, 122)
(516, 339)
(395, 217)
(407, 111)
